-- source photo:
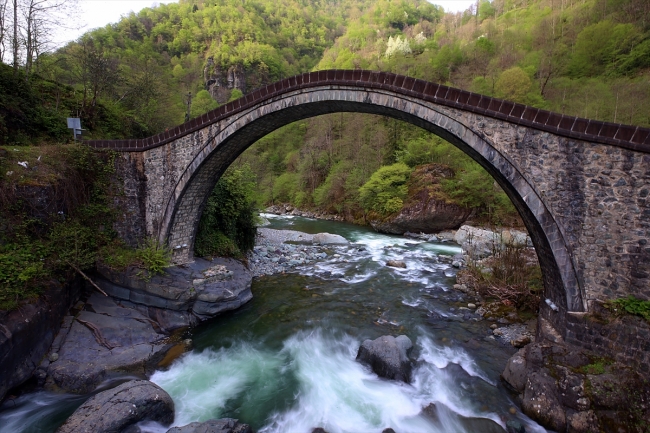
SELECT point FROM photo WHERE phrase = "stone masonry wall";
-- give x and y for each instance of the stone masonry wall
(626, 340)
(597, 193)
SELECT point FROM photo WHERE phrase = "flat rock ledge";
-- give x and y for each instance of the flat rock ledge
(103, 341)
(130, 331)
(117, 409)
(184, 295)
(388, 357)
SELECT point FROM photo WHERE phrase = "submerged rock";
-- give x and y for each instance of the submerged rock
(118, 408)
(224, 425)
(440, 415)
(388, 356)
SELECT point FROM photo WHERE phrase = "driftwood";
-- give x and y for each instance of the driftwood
(87, 278)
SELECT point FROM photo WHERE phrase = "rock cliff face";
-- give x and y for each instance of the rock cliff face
(220, 82)
(567, 389)
(425, 210)
(27, 332)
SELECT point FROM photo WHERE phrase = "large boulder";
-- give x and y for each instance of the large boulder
(515, 373)
(541, 401)
(183, 295)
(480, 243)
(224, 425)
(425, 210)
(329, 239)
(388, 356)
(569, 389)
(115, 410)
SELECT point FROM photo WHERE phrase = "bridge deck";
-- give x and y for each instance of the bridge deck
(625, 136)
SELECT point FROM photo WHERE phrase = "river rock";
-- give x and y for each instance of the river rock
(396, 264)
(388, 356)
(569, 389)
(329, 239)
(118, 408)
(224, 425)
(105, 340)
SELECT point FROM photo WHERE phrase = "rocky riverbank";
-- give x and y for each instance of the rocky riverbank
(282, 251)
(278, 251)
(134, 331)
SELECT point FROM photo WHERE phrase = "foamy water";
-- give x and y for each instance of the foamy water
(333, 390)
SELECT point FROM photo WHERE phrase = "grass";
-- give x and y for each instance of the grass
(597, 366)
(630, 305)
(150, 257)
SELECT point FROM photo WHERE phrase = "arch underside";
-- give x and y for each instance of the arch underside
(186, 204)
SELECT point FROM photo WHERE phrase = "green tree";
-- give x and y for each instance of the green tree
(202, 103)
(513, 84)
(227, 226)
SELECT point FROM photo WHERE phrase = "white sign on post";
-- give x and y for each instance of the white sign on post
(74, 123)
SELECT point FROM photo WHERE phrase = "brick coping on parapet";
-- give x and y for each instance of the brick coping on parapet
(625, 136)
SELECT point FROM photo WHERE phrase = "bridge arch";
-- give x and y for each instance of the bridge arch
(574, 181)
(223, 146)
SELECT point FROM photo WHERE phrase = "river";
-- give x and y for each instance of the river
(285, 362)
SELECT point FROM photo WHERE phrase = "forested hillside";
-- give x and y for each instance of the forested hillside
(148, 64)
(154, 69)
(583, 58)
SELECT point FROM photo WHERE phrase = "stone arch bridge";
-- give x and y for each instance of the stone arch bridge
(582, 186)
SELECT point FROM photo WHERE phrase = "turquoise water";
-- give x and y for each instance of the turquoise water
(285, 362)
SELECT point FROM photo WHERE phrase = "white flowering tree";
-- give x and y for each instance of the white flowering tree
(397, 45)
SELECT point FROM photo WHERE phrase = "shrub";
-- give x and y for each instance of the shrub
(227, 226)
(65, 231)
(630, 305)
(150, 256)
(512, 275)
(386, 189)
(153, 257)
